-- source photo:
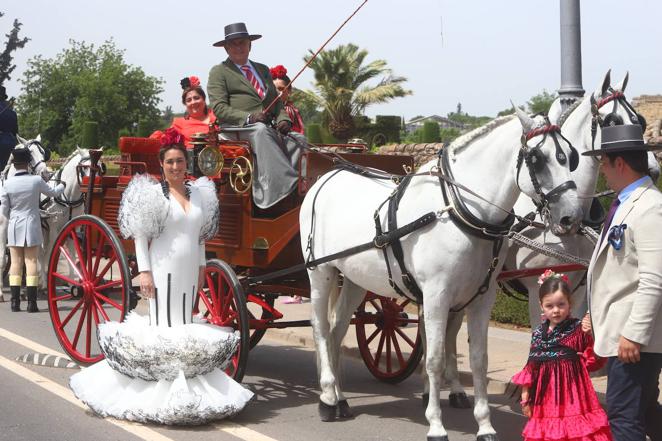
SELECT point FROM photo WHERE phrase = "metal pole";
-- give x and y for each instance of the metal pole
(571, 53)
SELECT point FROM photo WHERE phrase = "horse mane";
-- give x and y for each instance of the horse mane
(567, 112)
(465, 140)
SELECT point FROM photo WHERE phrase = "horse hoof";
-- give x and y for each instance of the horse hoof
(487, 437)
(344, 411)
(425, 399)
(459, 400)
(438, 438)
(327, 413)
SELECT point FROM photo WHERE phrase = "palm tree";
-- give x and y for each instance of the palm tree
(341, 89)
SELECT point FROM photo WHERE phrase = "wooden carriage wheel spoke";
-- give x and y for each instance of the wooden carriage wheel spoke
(79, 327)
(404, 303)
(88, 336)
(71, 314)
(110, 284)
(95, 312)
(405, 337)
(389, 367)
(398, 352)
(380, 347)
(207, 302)
(100, 243)
(376, 305)
(67, 279)
(372, 336)
(100, 308)
(64, 251)
(64, 297)
(79, 251)
(105, 269)
(88, 248)
(107, 300)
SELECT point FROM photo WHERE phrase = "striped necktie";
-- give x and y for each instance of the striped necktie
(251, 79)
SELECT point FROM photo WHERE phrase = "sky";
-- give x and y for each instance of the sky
(480, 53)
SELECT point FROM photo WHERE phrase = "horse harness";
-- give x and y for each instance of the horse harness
(532, 157)
(612, 118)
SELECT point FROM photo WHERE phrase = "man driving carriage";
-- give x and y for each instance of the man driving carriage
(240, 92)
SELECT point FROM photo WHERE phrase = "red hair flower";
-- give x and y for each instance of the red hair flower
(190, 82)
(171, 136)
(551, 274)
(278, 72)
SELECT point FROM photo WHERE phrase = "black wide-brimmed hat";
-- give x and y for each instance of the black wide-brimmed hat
(622, 138)
(234, 31)
(21, 155)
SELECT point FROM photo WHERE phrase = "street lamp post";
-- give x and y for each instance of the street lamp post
(571, 53)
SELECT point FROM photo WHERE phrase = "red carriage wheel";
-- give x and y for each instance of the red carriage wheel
(390, 353)
(88, 284)
(222, 302)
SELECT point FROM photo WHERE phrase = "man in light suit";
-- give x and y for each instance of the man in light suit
(625, 287)
(239, 91)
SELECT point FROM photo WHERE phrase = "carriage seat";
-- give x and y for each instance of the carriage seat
(144, 150)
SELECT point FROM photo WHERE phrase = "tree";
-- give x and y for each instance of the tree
(541, 103)
(341, 88)
(431, 132)
(86, 83)
(13, 43)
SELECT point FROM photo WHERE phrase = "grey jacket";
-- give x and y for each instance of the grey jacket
(19, 201)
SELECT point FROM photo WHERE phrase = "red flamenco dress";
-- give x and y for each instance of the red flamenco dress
(294, 115)
(564, 405)
(188, 126)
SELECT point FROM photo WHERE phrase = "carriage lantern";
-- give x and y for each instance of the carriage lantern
(205, 159)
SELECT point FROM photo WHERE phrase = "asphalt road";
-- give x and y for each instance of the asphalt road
(36, 404)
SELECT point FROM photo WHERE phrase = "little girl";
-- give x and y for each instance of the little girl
(557, 393)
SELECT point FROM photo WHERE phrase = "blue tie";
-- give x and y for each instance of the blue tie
(610, 217)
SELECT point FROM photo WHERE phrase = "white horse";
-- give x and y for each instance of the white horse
(39, 155)
(61, 209)
(339, 209)
(575, 125)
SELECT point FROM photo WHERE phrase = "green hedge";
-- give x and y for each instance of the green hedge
(509, 310)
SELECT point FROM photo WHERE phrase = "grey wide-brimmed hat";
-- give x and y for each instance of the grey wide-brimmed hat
(622, 138)
(234, 31)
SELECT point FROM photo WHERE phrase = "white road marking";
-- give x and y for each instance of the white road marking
(136, 429)
(29, 343)
(66, 394)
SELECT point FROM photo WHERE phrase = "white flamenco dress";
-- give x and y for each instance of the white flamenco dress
(164, 368)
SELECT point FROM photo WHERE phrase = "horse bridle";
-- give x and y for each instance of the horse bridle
(45, 153)
(612, 118)
(535, 160)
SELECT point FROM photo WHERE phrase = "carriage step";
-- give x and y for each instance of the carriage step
(48, 360)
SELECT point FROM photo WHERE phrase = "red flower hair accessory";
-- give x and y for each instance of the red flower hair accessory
(278, 72)
(171, 136)
(551, 274)
(190, 82)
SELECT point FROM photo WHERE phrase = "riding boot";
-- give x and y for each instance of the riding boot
(15, 298)
(32, 299)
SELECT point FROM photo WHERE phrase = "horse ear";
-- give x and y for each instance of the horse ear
(527, 122)
(605, 84)
(623, 84)
(38, 138)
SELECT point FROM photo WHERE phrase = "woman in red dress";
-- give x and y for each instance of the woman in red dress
(557, 393)
(282, 83)
(198, 116)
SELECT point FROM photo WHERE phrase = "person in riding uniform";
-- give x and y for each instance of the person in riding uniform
(19, 202)
(8, 128)
(240, 91)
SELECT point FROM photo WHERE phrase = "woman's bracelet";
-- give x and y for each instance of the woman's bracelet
(525, 402)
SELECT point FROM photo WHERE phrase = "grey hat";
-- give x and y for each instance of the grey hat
(621, 138)
(234, 31)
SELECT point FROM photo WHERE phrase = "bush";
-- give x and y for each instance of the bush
(509, 310)
(431, 132)
(314, 133)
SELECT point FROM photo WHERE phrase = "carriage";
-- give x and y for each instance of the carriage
(249, 261)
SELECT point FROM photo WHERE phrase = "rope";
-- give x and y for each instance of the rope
(590, 234)
(524, 241)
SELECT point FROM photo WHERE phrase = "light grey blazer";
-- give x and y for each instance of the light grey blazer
(19, 201)
(625, 286)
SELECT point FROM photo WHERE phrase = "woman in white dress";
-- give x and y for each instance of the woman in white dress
(164, 368)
